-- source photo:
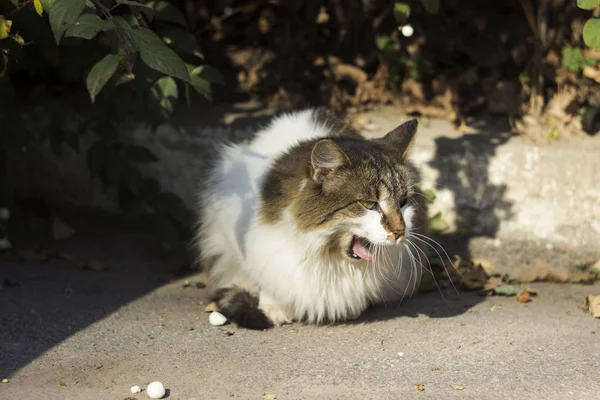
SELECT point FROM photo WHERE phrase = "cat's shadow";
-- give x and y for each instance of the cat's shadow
(446, 303)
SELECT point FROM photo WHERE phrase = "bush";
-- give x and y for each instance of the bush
(133, 58)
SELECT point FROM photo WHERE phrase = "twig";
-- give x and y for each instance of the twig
(118, 28)
(21, 6)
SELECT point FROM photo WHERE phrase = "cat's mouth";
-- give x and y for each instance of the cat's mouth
(360, 249)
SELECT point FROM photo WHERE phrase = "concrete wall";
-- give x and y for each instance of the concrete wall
(488, 183)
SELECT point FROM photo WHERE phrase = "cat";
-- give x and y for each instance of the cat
(311, 222)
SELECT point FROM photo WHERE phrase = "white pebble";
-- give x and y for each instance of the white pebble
(135, 389)
(401, 354)
(4, 213)
(216, 318)
(407, 30)
(156, 390)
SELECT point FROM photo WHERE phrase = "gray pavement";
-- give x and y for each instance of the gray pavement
(68, 333)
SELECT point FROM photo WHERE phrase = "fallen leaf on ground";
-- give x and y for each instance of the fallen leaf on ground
(5, 380)
(585, 277)
(523, 297)
(593, 305)
(485, 264)
(506, 290)
(457, 387)
(60, 229)
(266, 396)
(94, 265)
(595, 268)
(540, 272)
(419, 388)
(62, 384)
(493, 283)
(230, 333)
(495, 307)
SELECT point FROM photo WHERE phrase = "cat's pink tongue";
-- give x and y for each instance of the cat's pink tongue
(361, 250)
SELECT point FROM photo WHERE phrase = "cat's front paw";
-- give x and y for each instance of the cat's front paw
(277, 314)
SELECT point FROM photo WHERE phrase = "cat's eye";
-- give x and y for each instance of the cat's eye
(369, 205)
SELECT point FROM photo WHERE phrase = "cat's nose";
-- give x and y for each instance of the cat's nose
(398, 233)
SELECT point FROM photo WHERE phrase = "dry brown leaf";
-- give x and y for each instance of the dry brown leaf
(60, 229)
(593, 305)
(585, 277)
(592, 73)
(485, 264)
(493, 282)
(94, 265)
(419, 387)
(62, 384)
(523, 297)
(540, 272)
(457, 387)
(211, 307)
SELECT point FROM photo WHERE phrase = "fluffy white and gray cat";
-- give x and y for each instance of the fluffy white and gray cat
(311, 222)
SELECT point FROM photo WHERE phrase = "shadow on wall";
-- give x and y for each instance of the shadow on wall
(463, 165)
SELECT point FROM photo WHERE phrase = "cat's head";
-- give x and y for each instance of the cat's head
(361, 194)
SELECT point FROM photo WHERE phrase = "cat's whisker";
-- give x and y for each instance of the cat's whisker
(430, 270)
(411, 259)
(439, 256)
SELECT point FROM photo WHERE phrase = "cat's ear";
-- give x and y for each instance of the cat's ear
(326, 158)
(403, 135)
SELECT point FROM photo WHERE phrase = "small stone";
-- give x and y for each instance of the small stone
(156, 390)
(216, 318)
(135, 389)
(401, 354)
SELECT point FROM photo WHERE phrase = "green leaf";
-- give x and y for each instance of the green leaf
(429, 195)
(157, 55)
(591, 33)
(507, 290)
(431, 6)
(202, 87)
(165, 11)
(401, 11)
(138, 154)
(62, 14)
(208, 73)
(437, 223)
(149, 11)
(384, 43)
(87, 26)
(39, 8)
(165, 93)
(588, 4)
(5, 25)
(181, 40)
(573, 59)
(101, 73)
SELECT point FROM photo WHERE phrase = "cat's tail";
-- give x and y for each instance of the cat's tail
(241, 307)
